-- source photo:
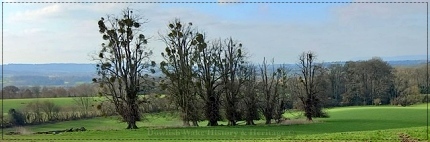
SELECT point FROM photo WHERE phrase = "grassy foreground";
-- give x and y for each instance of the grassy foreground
(371, 123)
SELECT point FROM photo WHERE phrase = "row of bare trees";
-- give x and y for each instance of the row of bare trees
(81, 90)
(201, 75)
(213, 80)
(215, 75)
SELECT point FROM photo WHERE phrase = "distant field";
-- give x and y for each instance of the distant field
(21, 103)
(347, 123)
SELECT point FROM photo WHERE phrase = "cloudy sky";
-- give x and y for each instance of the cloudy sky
(68, 33)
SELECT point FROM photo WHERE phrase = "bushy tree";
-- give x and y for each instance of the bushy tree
(16, 117)
(123, 62)
(368, 80)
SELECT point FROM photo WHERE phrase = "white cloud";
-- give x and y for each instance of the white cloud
(46, 12)
(363, 12)
(56, 33)
(384, 29)
(27, 31)
(353, 30)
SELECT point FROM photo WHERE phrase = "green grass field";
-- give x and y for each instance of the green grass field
(375, 123)
(21, 103)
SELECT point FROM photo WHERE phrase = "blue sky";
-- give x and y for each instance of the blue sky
(68, 33)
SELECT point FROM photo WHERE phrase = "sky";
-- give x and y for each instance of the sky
(68, 33)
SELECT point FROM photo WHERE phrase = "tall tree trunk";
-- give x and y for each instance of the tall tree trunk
(308, 109)
(268, 121)
(212, 111)
(268, 115)
(212, 122)
(249, 118)
(132, 125)
(230, 111)
(231, 123)
(195, 123)
(185, 123)
(250, 122)
(132, 114)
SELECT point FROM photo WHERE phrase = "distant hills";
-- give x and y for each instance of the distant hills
(55, 74)
(49, 69)
(70, 74)
(407, 62)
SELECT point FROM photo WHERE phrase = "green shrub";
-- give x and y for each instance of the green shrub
(33, 112)
(51, 110)
(16, 117)
(407, 100)
(424, 98)
(6, 123)
(377, 102)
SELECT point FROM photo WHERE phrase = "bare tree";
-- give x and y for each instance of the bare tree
(122, 63)
(232, 61)
(250, 99)
(83, 96)
(336, 79)
(26, 93)
(269, 87)
(59, 91)
(50, 109)
(36, 91)
(283, 95)
(207, 59)
(405, 88)
(178, 63)
(308, 78)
